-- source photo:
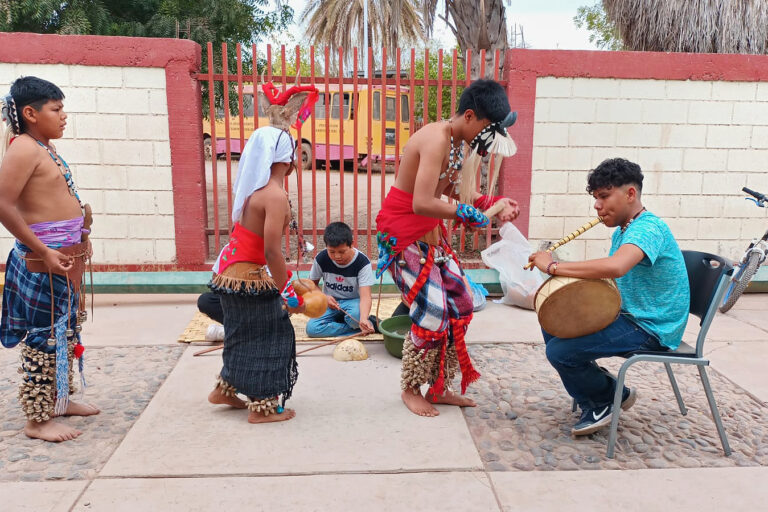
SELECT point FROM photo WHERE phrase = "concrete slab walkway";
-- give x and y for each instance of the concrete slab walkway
(353, 445)
(348, 419)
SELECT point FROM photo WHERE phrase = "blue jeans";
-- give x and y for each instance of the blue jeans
(574, 359)
(335, 323)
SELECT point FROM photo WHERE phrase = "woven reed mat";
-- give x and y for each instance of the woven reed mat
(195, 330)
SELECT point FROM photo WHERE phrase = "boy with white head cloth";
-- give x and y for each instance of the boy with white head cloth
(259, 345)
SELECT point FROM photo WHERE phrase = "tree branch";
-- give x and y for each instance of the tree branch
(448, 24)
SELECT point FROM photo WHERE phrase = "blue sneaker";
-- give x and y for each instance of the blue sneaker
(628, 399)
(593, 420)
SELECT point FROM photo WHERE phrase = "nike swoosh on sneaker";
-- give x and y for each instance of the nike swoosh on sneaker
(597, 417)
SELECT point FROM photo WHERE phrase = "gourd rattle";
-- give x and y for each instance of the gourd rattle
(315, 301)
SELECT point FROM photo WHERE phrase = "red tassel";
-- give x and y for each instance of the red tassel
(426, 334)
(468, 372)
(421, 279)
(79, 349)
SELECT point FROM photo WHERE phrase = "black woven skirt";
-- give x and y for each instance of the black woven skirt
(259, 345)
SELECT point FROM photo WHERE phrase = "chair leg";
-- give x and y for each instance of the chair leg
(573, 406)
(715, 413)
(673, 381)
(616, 410)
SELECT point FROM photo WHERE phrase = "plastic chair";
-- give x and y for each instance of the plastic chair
(708, 279)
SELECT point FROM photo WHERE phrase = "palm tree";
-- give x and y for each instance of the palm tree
(476, 28)
(705, 26)
(340, 22)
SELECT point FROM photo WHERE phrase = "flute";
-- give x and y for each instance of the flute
(566, 239)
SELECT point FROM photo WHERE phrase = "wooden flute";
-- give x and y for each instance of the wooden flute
(566, 239)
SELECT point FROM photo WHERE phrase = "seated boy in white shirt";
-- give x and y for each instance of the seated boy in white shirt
(347, 280)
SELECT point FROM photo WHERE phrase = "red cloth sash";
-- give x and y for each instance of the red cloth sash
(244, 245)
(397, 219)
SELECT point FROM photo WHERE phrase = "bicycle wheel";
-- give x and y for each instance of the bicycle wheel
(737, 287)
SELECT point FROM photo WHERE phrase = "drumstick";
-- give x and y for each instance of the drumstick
(219, 347)
(350, 316)
(566, 239)
(496, 208)
(332, 342)
(209, 349)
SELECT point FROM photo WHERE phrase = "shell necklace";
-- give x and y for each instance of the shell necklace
(63, 169)
(455, 162)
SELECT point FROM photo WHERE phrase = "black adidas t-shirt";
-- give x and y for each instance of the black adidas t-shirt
(342, 282)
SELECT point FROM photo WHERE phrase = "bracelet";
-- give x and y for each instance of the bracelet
(471, 216)
(549, 265)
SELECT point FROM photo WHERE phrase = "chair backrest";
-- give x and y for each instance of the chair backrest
(707, 277)
(704, 273)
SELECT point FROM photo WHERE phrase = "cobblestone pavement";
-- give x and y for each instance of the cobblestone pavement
(121, 382)
(524, 417)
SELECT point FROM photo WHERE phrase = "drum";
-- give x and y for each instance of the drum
(569, 307)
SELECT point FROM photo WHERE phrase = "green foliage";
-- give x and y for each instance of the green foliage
(305, 65)
(603, 32)
(432, 90)
(203, 21)
(242, 21)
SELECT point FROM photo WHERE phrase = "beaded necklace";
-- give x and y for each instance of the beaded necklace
(66, 172)
(624, 228)
(455, 162)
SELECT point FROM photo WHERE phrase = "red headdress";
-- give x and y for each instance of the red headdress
(298, 100)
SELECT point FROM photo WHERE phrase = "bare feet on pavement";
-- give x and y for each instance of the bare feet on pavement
(451, 398)
(258, 417)
(217, 397)
(417, 404)
(50, 431)
(78, 409)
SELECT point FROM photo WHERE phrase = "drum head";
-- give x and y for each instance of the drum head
(580, 308)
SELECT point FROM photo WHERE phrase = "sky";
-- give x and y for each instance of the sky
(546, 24)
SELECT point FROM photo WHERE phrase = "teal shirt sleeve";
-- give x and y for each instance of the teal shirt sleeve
(648, 238)
(655, 292)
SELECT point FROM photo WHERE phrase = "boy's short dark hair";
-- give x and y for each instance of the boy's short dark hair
(615, 172)
(35, 92)
(336, 234)
(487, 99)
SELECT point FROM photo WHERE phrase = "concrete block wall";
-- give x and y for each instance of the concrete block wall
(117, 144)
(698, 143)
(696, 124)
(132, 140)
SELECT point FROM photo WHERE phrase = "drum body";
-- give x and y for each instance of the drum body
(569, 307)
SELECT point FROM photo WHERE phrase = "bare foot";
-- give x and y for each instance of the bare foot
(217, 397)
(78, 409)
(258, 417)
(50, 431)
(417, 404)
(451, 398)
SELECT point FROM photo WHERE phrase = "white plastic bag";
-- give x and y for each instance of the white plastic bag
(508, 256)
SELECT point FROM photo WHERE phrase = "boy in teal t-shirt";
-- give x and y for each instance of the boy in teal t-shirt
(654, 292)
(650, 273)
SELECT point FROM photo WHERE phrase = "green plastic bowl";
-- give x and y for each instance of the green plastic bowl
(394, 330)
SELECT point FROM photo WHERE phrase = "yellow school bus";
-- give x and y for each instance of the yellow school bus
(355, 106)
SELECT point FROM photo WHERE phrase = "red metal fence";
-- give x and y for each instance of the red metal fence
(433, 95)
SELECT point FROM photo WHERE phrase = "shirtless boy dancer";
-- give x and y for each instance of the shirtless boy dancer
(413, 246)
(40, 206)
(259, 342)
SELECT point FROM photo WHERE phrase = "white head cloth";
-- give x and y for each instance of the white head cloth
(265, 146)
